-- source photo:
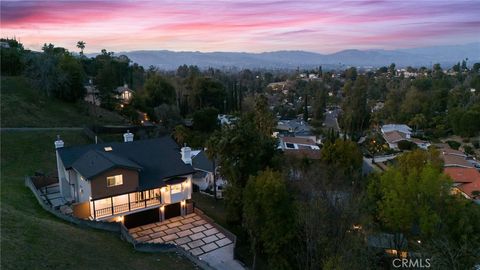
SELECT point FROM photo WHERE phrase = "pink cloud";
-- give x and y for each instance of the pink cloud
(240, 26)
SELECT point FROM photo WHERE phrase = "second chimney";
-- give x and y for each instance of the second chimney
(59, 143)
(128, 137)
(186, 155)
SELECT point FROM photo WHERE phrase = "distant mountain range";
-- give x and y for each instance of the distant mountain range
(426, 56)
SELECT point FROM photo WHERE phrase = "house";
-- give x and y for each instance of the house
(124, 93)
(295, 127)
(394, 133)
(278, 86)
(454, 158)
(204, 172)
(125, 181)
(392, 244)
(296, 143)
(466, 182)
(226, 119)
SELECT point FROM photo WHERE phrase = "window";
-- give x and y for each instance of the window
(115, 180)
(176, 188)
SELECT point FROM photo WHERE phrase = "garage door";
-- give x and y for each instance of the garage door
(172, 210)
(141, 218)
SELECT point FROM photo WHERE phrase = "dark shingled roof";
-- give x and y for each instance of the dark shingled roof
(201, 162)
(156, 159)
(95, 162)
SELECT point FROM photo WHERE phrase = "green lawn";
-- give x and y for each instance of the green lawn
(31, 238)
(23, 106)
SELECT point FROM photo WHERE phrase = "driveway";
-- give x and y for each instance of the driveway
(195, 235)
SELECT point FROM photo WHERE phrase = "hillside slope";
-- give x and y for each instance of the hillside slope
(24, 106)
(34, 239)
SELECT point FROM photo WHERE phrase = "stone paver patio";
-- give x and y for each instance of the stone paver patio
(191, 232)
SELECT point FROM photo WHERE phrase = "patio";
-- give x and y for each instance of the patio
(191, 232)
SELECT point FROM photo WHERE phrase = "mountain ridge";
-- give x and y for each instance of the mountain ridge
(291, 59)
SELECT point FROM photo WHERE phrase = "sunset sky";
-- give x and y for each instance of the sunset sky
(250, 26)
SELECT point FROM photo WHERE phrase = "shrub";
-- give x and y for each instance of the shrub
(406, 145)
(454, 144)
(476, 144)
(468, 150)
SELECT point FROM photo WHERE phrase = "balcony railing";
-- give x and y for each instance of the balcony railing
(125, 207)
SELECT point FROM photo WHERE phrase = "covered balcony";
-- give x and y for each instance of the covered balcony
(125, 203)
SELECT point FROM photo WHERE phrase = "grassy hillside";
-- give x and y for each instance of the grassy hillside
(24, 106)
(31, 238)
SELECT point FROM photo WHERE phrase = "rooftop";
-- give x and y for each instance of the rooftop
(394, 136)
(156, 159)
(469, 179)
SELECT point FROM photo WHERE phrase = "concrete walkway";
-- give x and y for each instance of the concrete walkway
(195, 235)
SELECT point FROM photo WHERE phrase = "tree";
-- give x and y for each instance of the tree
(12, 58)
(243, 149)
(208, 93)
(181, 134)
(72, 89)
(419, 121)
(406, 145)
(168, 115)
(355, 112)
(264, 119)
(343, 156)
(268, 217)
(410, 195)
(81, 46)
(159, 91)
(205, 120)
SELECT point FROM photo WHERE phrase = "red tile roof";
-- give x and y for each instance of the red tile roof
(468, 178)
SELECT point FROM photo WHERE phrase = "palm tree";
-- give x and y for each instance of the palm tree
(81, 46)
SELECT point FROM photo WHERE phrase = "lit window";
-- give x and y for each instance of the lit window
(176, 189)
(115, 180)
(108, 149)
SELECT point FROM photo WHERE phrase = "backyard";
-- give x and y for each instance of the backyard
(34, 239)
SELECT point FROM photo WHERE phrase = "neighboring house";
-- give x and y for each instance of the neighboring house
(226, 119)
(296, 143)
(204, 172)
(454, 158)
(296, 127)
(466, 181)
(392, 244)
(394, 133)
(124, 93)
(278, 86)
(4, 44)
(134, 181)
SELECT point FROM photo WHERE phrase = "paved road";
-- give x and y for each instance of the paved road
(41, 128)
